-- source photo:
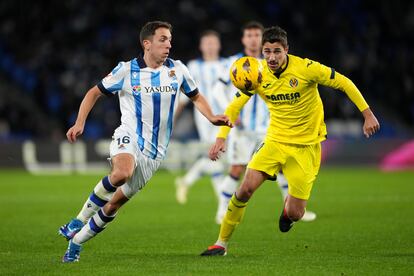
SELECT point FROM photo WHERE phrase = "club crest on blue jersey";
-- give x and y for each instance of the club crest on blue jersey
(171, 74)
(293, 82)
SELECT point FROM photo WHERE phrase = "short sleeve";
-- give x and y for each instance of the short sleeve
(188, 85)
(114, 81)
(318, 72)
(327, 76)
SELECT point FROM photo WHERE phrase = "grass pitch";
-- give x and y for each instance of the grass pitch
(364, 227)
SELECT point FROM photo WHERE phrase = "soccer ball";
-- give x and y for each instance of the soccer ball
(246, 73)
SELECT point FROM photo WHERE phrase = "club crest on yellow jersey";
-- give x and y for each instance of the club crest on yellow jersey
(293, 82)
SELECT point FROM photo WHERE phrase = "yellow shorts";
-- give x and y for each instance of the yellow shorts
(299, 163)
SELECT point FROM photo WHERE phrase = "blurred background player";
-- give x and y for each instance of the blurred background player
(148, 87)
(250, 127)
(206, 71)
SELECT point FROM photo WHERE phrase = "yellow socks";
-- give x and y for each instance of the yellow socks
(234, 215)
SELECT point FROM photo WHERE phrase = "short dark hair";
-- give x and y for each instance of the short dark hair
(149, 29)
(252, 25)
(275, 34)
(209, 33)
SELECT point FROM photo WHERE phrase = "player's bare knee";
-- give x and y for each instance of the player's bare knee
(111, 208)
(236, 171)
(235, 175)
(244, 193)
(119, 177)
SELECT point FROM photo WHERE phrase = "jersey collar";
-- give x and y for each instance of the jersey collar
(141, 61)
(142, 64)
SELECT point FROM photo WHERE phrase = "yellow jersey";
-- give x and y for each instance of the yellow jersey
(292, 97)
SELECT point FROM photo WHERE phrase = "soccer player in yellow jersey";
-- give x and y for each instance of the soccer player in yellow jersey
(296, 129)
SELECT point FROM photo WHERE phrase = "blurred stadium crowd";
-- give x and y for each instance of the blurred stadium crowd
(51, 53)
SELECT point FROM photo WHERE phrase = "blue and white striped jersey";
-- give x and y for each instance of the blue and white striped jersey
(147, 99)
(206, 74)
(254, 116)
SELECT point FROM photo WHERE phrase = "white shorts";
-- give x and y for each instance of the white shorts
(145, 167)
(241, 146)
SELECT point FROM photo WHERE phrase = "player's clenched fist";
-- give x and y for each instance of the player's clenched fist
(74, 132)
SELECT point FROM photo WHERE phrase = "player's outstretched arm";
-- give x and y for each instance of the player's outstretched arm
(371, 124)
(202, 105)
(339, 81)
(86, 106)
(218, 147)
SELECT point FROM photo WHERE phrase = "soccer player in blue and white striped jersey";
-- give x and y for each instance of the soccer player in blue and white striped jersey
(148, 88)
(253, 119)
(206, 70)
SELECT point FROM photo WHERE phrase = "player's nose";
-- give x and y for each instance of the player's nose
(272, 57)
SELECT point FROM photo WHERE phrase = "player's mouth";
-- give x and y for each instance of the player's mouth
(273, 65)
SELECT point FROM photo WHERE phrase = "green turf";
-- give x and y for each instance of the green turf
(364, 227)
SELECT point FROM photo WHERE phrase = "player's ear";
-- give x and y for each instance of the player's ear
(146, 43)
(287, 49)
